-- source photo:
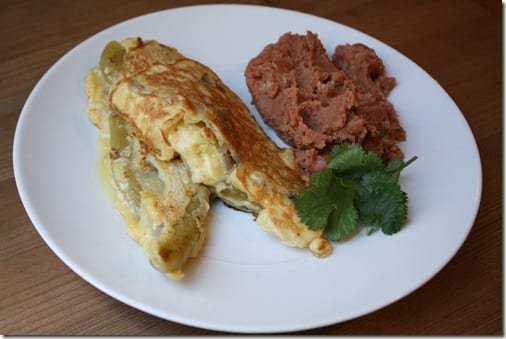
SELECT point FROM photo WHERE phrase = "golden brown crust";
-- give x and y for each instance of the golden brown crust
(179, 110)
(163, 210)
(162, 100)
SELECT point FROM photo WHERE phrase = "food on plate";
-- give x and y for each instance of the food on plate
(175, 136)
(380, 119)
(335, 113)
(314, 102)
(164, 211)
(356, 189)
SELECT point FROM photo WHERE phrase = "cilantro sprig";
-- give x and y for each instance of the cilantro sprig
(356, 189)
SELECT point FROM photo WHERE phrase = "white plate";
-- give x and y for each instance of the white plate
(245, 281)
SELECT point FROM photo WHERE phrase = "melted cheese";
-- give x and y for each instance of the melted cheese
(207, 164)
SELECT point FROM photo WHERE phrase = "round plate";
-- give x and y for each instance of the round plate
(244, 280)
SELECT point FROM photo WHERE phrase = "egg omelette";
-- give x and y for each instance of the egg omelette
(175, 136)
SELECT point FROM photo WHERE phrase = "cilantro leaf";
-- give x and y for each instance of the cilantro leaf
(381, 202)
(355, 189)
(314, 205)
(351, 160)
(329, 204)
(343, 221)
(345, 157)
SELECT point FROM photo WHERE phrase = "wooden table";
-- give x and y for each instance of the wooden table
(458, 42)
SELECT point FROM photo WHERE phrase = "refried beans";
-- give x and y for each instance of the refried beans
(314, 102)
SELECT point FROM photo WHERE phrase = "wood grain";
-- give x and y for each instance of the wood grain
(458, 42)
